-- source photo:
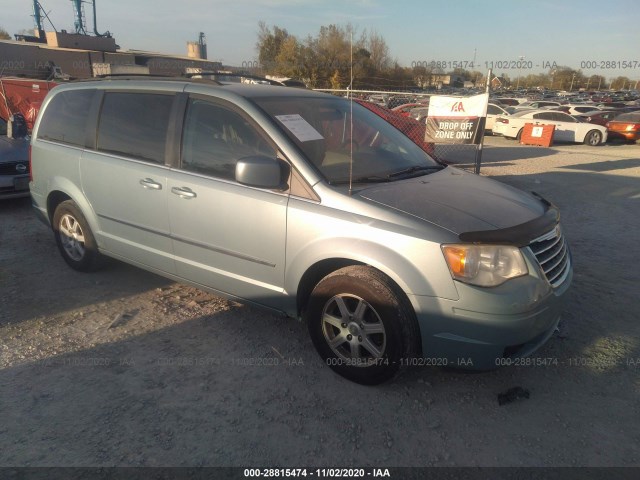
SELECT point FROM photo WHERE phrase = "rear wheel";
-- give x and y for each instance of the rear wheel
(519, 135)
(362, 325)
(593, 138)
(75, 239)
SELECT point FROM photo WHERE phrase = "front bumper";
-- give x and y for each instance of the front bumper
(14, 186)
(485, 326)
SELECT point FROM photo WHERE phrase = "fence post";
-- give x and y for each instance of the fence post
(479, 150)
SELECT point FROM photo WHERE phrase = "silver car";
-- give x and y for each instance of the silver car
(308, 205)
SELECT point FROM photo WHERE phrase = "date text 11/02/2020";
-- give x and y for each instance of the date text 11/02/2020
(317, 472)
(403, 362)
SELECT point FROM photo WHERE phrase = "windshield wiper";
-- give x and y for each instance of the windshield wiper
(369, 179)
(415, 168)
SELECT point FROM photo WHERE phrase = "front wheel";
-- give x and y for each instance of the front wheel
(593, 138)
(362, 325)
(75, 239)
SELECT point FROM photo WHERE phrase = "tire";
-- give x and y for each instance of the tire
(593, 138)
(370, 321)
(519, 135)
(75, 239)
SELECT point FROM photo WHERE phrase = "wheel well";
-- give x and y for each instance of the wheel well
(318, 271)
(314, 274)
(55, 198)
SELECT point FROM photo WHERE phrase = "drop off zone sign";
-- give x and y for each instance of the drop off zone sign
(456, 119)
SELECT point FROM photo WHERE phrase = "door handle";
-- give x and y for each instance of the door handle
(150, 183)
(183, 192)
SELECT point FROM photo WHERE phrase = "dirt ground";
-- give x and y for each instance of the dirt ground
(125, 368)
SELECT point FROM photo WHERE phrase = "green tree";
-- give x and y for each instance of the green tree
(596, 82)
(269, 44)
(288, 60)
(422, 76)
(378, 51)
(566, 78)
(329, 58)
(621, 83)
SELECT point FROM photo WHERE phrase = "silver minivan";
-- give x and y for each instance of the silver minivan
(306, 204)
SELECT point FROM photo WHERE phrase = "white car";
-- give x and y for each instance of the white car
(567, 128)
(534, 104)
(494, 111)
(581, 108)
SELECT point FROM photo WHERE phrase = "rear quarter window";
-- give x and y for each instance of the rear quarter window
(135, 125)
(65, 118)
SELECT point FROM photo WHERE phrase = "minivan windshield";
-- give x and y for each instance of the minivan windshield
(322, 128)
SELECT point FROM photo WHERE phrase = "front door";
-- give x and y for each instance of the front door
(226, 236)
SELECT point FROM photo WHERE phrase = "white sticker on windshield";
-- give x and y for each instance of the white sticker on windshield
(300, 127)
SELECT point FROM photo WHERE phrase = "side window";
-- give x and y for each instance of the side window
(215, 138)
(491, 110)
(135, 125)
(543, 116)
(562, 117)
(65, 118)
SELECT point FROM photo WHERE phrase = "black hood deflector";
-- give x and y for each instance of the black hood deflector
(518, 235)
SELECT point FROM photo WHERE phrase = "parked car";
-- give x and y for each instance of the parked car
(511, 102)
(405, 110)
(396, 101)
(573, 109)
(611, 105)
(413, 129)
(567, 128)
(419, 114)
(306, 204)
(379, 99)
(625, 126)
(599, 117)
(14, 165)
(532, 105)
(494, 111)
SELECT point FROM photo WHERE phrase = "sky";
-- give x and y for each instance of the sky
(581, 34)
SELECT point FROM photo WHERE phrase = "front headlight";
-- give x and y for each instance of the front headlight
(484, 265)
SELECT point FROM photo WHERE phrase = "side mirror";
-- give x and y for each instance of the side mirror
(261, 171)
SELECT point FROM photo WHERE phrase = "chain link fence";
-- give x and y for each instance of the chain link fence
(407, 111)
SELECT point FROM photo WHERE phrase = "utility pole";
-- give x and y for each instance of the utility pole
(572, 79)
(521, 57)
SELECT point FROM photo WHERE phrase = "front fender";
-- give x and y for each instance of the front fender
(415, 264)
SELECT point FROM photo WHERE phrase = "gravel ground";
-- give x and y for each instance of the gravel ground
(125, 368)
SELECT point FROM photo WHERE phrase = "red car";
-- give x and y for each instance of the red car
(405, 109)
(599, 117)
(410, 127)
(625, 126)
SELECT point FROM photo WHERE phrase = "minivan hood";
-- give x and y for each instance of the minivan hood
(458, 201)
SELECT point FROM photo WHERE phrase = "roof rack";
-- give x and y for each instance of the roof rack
(148, 76)
(220, 75)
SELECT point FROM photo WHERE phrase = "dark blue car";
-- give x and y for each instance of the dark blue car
(14, 165)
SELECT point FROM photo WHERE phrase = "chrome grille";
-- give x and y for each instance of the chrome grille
(10, 168)
(552, 254)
